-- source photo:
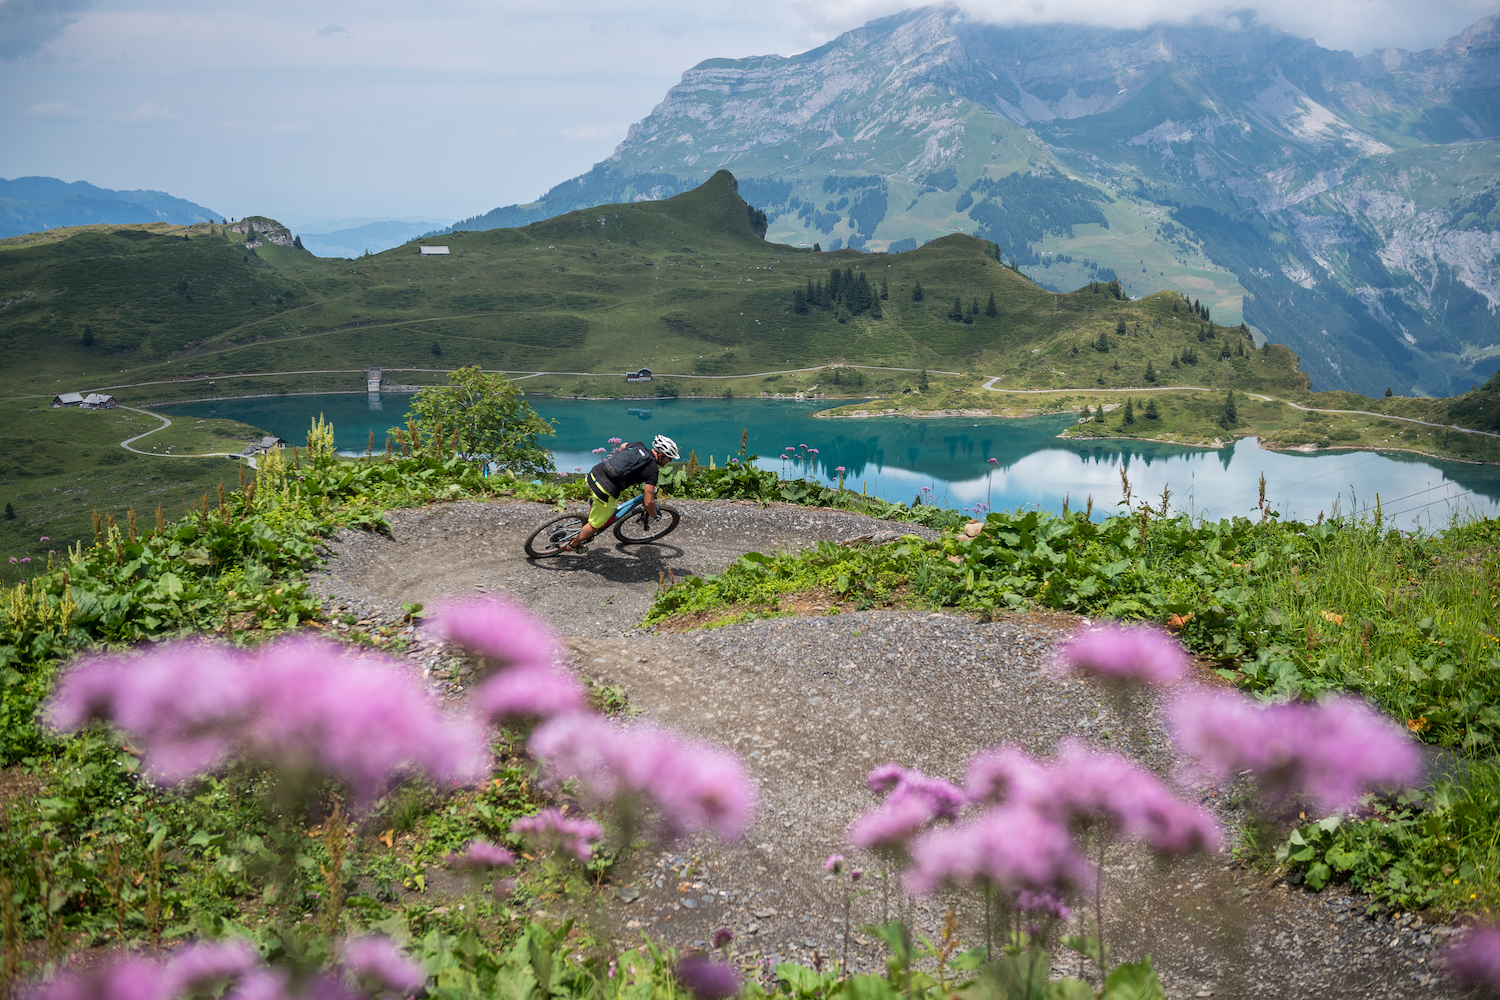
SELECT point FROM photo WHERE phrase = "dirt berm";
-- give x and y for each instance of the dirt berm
(812, 703)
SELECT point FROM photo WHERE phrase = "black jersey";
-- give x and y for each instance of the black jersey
(632, 464)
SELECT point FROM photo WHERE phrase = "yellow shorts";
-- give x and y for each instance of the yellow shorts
(604, 505)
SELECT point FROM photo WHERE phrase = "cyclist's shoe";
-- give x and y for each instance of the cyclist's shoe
(576, 546)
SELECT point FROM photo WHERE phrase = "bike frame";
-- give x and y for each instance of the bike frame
(625, 509)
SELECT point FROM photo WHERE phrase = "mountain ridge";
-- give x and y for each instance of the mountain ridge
(35, 204)
(1352, 170)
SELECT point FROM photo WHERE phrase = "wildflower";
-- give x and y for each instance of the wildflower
(1042, 902)
(570, 836)
(377, 965)
(707, 979)
(1330, 752)
(884, 778)
(302, 706)
(44, 538)
(14, 559)
(1136, 654)
(201, 966)
(1105, 787)
(597, 451)
(694, 786)
(993, 461)
(26, 559)
(1008, 775)
(1010, 847)
(482, 855)
(723, 937)
(498, 629)
(835, 864)
(196, 969)
(1474, 959)
(856, 875)
(839, 469)
(529, 693)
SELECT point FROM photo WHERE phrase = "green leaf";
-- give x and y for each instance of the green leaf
(1133, 982)
(1317, 876)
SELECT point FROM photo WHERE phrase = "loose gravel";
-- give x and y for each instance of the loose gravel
(812, 704)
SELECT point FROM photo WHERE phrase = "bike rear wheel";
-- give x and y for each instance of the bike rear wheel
(552, 537)
(641, 527)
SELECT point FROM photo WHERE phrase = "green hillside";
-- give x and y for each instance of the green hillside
(686, 286)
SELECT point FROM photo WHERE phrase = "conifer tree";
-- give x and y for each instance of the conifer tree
(1120, 327)
(1230, 415)
(916, 293)
(922, 380)
(812, 293)
(799, 301)
(957, 312)
(1152, 413)
(1388, 391)
(968, 314)
(1129, 411)
(1102, 344)
(875, 311)
(835, 285)
(1176, 361)
(88, 335)
(817, 248)
(989, 309)
(885, 290)
(1085, 413)
(1150, 371)
(1099, 413)
(863, 296)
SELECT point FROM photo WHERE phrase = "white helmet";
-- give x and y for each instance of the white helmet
(666, 446)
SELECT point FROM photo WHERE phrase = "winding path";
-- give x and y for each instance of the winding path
(165, 423)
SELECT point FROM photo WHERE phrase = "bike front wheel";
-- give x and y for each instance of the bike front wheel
(639, 526)
(553, 536)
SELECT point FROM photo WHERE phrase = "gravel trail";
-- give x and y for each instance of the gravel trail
(812, 703)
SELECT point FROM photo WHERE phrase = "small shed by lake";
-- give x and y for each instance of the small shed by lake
(427, 251)
(644, 375)
(68, 399)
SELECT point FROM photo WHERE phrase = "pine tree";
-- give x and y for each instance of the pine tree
(875, 311)
(297, 242)
(10, 512)
(88, 335)
(916, 293)
(1120, 327)
(1230, 416)
(968, 314)
(1176, 361)
(799, 301)
(957, 312)
(812, 293)
(437, 349)
(835, 285)
(1129, 411)
(974, 306)
(1388, 391)
(922, 380)
(1150, 371)
(885, 291)
(863, 295)
(846, 283)
(1102, 344)
(1099, 413)
(817, 248)
(1085, 413)
(989, 309)
(1152, 413)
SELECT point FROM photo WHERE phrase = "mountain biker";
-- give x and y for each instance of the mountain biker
(630, 464)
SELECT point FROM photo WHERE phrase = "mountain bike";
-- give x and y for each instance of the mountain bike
(633, 526)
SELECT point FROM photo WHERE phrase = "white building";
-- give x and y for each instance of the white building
(429, 251)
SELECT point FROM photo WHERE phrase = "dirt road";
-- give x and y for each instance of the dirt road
(813, 703)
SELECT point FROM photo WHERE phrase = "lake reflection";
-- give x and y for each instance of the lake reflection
(946, 461)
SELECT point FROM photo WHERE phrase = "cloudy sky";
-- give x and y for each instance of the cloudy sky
(331, 109)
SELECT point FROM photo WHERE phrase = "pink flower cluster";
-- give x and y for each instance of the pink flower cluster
(1331, 752)
(481, 855)
(374, 963)
(551, 829)
(306, 707)
(1120, 653)
(913, 801)
(1024, 839)
(693, 786)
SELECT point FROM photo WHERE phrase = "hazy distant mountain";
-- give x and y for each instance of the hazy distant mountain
(1344, 206)
(373, 236)
(34, 204)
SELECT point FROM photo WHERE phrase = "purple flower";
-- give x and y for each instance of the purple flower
(597, 451)
(856, 875)
(202, 966)
(44, 538)
(1009, 848)
(1008, 775)
(707, 979)
(835, 863)
(616, 440)
(694, 786)
(303, 706)
(481, 855)
(884, 778)
(1117, 653)
(1331, 752)
(26, 559)
(993, 461)
(1105, 787)
(913, 801)
(723, 937)
(14, 559)
(195, 969)
(1474, 958)
(378, 966)
(529, 693)
(839, 468)
(498, 629)
(575, 837)
(1042, 903)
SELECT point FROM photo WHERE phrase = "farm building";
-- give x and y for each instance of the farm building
(68, 399)
(98, 401)
(644, 375)
(430, 251)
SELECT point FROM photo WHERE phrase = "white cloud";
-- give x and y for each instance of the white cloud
(146, 114)
(56, 109)
(589, 133)
(27, 25)
(332, 29)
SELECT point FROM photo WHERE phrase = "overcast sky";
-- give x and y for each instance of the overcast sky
(332, 109)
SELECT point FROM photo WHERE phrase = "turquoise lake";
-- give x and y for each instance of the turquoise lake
(946, 461)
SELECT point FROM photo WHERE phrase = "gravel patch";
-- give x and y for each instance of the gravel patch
(812, 704)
